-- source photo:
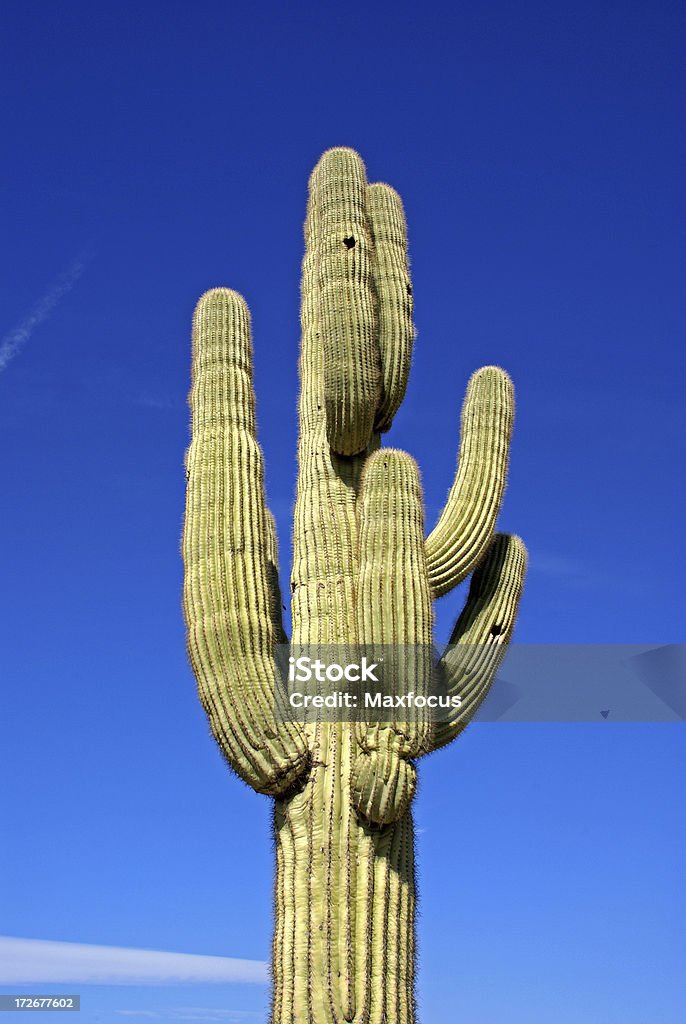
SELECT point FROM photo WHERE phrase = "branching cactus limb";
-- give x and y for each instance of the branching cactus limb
(362, 574)
(227, 545)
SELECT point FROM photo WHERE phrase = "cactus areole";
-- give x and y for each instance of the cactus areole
(363, 572)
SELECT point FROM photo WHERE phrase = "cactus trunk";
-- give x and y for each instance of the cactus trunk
(344, 932)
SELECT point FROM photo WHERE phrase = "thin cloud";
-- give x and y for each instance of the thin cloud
(163, 404)
(573, 572)
(12, 343)
(204, 1015)
(25, 961)
(576, 574)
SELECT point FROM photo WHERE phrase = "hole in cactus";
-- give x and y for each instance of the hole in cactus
(349, 243)
(409, 289)
(497, 629)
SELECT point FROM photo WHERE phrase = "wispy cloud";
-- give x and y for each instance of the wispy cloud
(37, 960)
(574, 572)
(160, 403)
(14, 340)
(206, 1015)
(578, 574)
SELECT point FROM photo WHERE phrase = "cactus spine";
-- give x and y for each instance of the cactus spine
(363, 572)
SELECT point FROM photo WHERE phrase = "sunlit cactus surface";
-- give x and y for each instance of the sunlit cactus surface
(364, 573)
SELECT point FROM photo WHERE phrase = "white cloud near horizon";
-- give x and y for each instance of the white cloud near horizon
(24, 961)
(12, 342)
(202, 1014)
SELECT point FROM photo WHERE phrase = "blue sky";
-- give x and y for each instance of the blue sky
(152, 153)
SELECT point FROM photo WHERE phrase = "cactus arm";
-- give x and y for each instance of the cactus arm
(347, 306)
(394, 296)
(227, 602)
(394, 614)
(459, 540)
(482, 632)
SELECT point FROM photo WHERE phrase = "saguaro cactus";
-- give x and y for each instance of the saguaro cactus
(363, 572)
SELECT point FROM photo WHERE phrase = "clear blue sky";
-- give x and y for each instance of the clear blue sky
(151, 152)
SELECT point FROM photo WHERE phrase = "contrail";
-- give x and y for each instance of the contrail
(26, 961)
(15, 339)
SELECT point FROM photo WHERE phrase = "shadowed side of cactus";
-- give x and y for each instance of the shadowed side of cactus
(363, 573)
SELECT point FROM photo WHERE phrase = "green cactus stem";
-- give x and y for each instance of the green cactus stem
(363, 573)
